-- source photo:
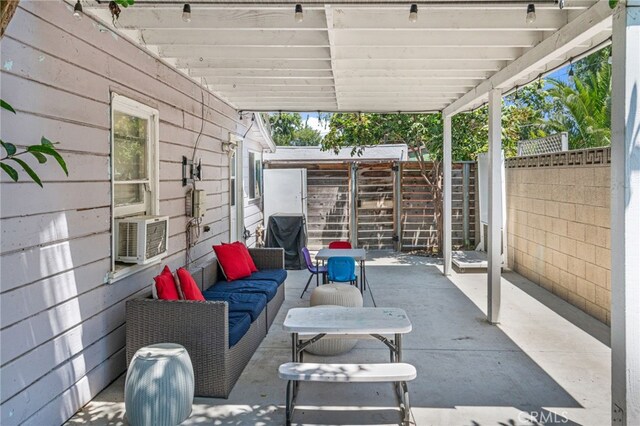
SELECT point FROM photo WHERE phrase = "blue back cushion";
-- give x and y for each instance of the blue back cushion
(341, 269)
(277, 275)
(239, 323)
(253, 304)
(268, 288)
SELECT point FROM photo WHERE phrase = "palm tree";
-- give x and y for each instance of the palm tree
(583, 109)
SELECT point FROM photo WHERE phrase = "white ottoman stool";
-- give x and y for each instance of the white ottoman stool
(334, 295)
(159, 386)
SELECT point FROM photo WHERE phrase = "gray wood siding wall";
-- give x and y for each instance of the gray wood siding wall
(62, 328)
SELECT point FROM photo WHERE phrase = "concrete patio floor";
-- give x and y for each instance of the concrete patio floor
(545, 363)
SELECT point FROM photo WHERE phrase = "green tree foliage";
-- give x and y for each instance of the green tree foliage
(423, 132)
(580, 106)
(288, 129)
(283, 127)
(583, 108)
(125, 3)
(306, 136)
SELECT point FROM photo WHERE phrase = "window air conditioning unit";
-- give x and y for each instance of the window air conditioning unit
(141, 239)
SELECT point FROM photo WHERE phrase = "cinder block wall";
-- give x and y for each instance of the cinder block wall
(558, 225)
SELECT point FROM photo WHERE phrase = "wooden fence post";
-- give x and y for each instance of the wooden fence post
(397, 198)
(466, 167)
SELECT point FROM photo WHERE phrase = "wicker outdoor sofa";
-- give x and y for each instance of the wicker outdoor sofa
(203, 327)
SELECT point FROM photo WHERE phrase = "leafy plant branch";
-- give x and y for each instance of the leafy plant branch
(42, 152)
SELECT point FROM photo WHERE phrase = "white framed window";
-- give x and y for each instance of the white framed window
(135, 169)
(255, 175)
(134, 158)
(233, 190)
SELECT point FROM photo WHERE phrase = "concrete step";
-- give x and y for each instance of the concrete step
(472, 262)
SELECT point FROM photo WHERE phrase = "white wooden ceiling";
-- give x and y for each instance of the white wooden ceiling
(359, 56)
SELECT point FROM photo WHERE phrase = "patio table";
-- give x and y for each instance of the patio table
(359, 255)
(317, 323)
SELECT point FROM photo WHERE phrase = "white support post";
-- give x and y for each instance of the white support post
(625, 216)
(446, 211)
(495, 206)
(353, 204)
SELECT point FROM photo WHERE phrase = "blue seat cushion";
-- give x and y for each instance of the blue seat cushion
(277, 275)
(239, 323)
(253, 304)
(268, 288)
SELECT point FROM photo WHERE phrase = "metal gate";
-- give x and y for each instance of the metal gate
(327, 204)
(375, 213)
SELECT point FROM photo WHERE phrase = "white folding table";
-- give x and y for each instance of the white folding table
(359, 255)
(318, 322)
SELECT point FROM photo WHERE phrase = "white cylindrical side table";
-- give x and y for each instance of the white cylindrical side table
(334, 295)
(159, 386)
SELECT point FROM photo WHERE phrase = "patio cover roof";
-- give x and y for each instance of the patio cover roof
(363, 56)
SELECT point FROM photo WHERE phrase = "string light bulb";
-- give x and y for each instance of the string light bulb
(299, 15)
(77, 10)
(531, 13)
(413, 13)
(186, 12)
(571, 71)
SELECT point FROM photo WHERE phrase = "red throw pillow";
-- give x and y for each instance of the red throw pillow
(232, 261)
(188, 285)
(166, 286)
(247, 256)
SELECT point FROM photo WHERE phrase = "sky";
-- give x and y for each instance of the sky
(312, 120)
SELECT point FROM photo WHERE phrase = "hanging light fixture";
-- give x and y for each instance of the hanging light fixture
(531, 13)
(77, 10)
(610, 58)
(413, 13)
(186, 12)
(299, 15)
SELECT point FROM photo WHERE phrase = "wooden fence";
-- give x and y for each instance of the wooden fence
(419, 230)
(383, 205)
(328, 205)
(375, 206)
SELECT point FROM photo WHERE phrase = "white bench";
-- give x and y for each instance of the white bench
(398, 373)
(347, 373)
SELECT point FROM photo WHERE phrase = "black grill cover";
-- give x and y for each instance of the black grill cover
(288, 231)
